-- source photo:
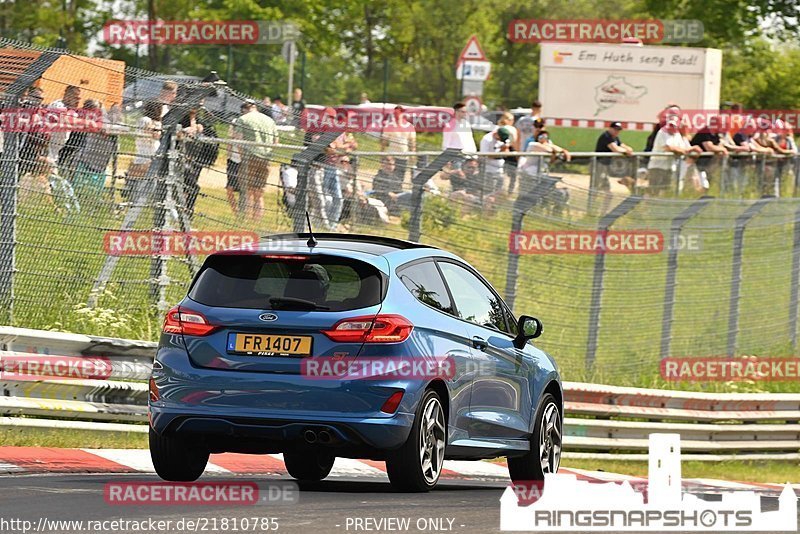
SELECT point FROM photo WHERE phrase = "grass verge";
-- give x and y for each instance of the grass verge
(778, 471)
(83, 439)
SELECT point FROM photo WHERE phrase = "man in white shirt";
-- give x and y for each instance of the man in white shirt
(493, 166)
(525, 124)
(660, 168)
(167, 95)
(458, 134)
(70, 102)
(278, 110)
(400, 136)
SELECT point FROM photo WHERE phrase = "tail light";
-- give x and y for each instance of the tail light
(191, 323)
(154, 395)
(368, 329)
(392, 403)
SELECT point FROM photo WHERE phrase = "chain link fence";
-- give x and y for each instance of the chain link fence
(92, 209)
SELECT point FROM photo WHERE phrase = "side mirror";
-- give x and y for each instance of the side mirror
(528, 328)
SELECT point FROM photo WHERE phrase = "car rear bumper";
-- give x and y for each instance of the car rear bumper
(226, 432)
(264, 412)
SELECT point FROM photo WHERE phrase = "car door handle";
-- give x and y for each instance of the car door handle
(478, 343)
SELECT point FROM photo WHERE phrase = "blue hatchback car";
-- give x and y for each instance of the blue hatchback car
(232, 369)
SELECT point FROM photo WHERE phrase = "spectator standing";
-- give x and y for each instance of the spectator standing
(709, 139)
(266, 105)
(280, 111)
(661, 169)
(332, 181)
(735, 144)
(525, 123)
(458, 133)
(167, 95)
(33, 166)
(345, 165)
(543, 143)
(493, 165)
(58, 151)
(745, 139)
(148, 135)
(670, 111)
(538, 126)
(506, 121)
(317, 203)
(364, 99)
(609, 141)
(765, 145)
(234, 185)
(195, 124)
(784, 144)
(689, 172)
(533, 166)
(298, 105)
(93, 158)
(400, 136)
(255, 127)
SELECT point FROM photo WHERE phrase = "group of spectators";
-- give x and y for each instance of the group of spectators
(282, 114)
(483, 180)
(69, 165)
(62, 163)
(72, 165)
(700, 157)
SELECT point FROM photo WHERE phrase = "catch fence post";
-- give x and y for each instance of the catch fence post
(599, 273)
(736, 269)
(672, 270)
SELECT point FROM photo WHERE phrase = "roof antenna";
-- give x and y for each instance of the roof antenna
(312, 241)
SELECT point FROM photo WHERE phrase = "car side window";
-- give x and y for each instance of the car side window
(474, 300)
(426, 284)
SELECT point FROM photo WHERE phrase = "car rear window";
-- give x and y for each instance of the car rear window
(318, 282)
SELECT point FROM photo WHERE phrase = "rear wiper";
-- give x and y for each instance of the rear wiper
(290, 302)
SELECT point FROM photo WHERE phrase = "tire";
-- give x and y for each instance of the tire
(546, 441)
(308, 467)
(175, 459)
(409, 468)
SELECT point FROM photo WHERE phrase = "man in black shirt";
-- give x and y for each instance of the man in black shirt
(709, 139)
(609, 141)
(298, 105)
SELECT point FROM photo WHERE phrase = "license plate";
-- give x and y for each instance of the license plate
(269, 345)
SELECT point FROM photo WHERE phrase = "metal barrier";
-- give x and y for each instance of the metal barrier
(600, 418)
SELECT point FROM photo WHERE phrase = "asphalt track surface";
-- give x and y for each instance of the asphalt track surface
(334, 506)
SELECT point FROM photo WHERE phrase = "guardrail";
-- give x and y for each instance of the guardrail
(602, 421)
